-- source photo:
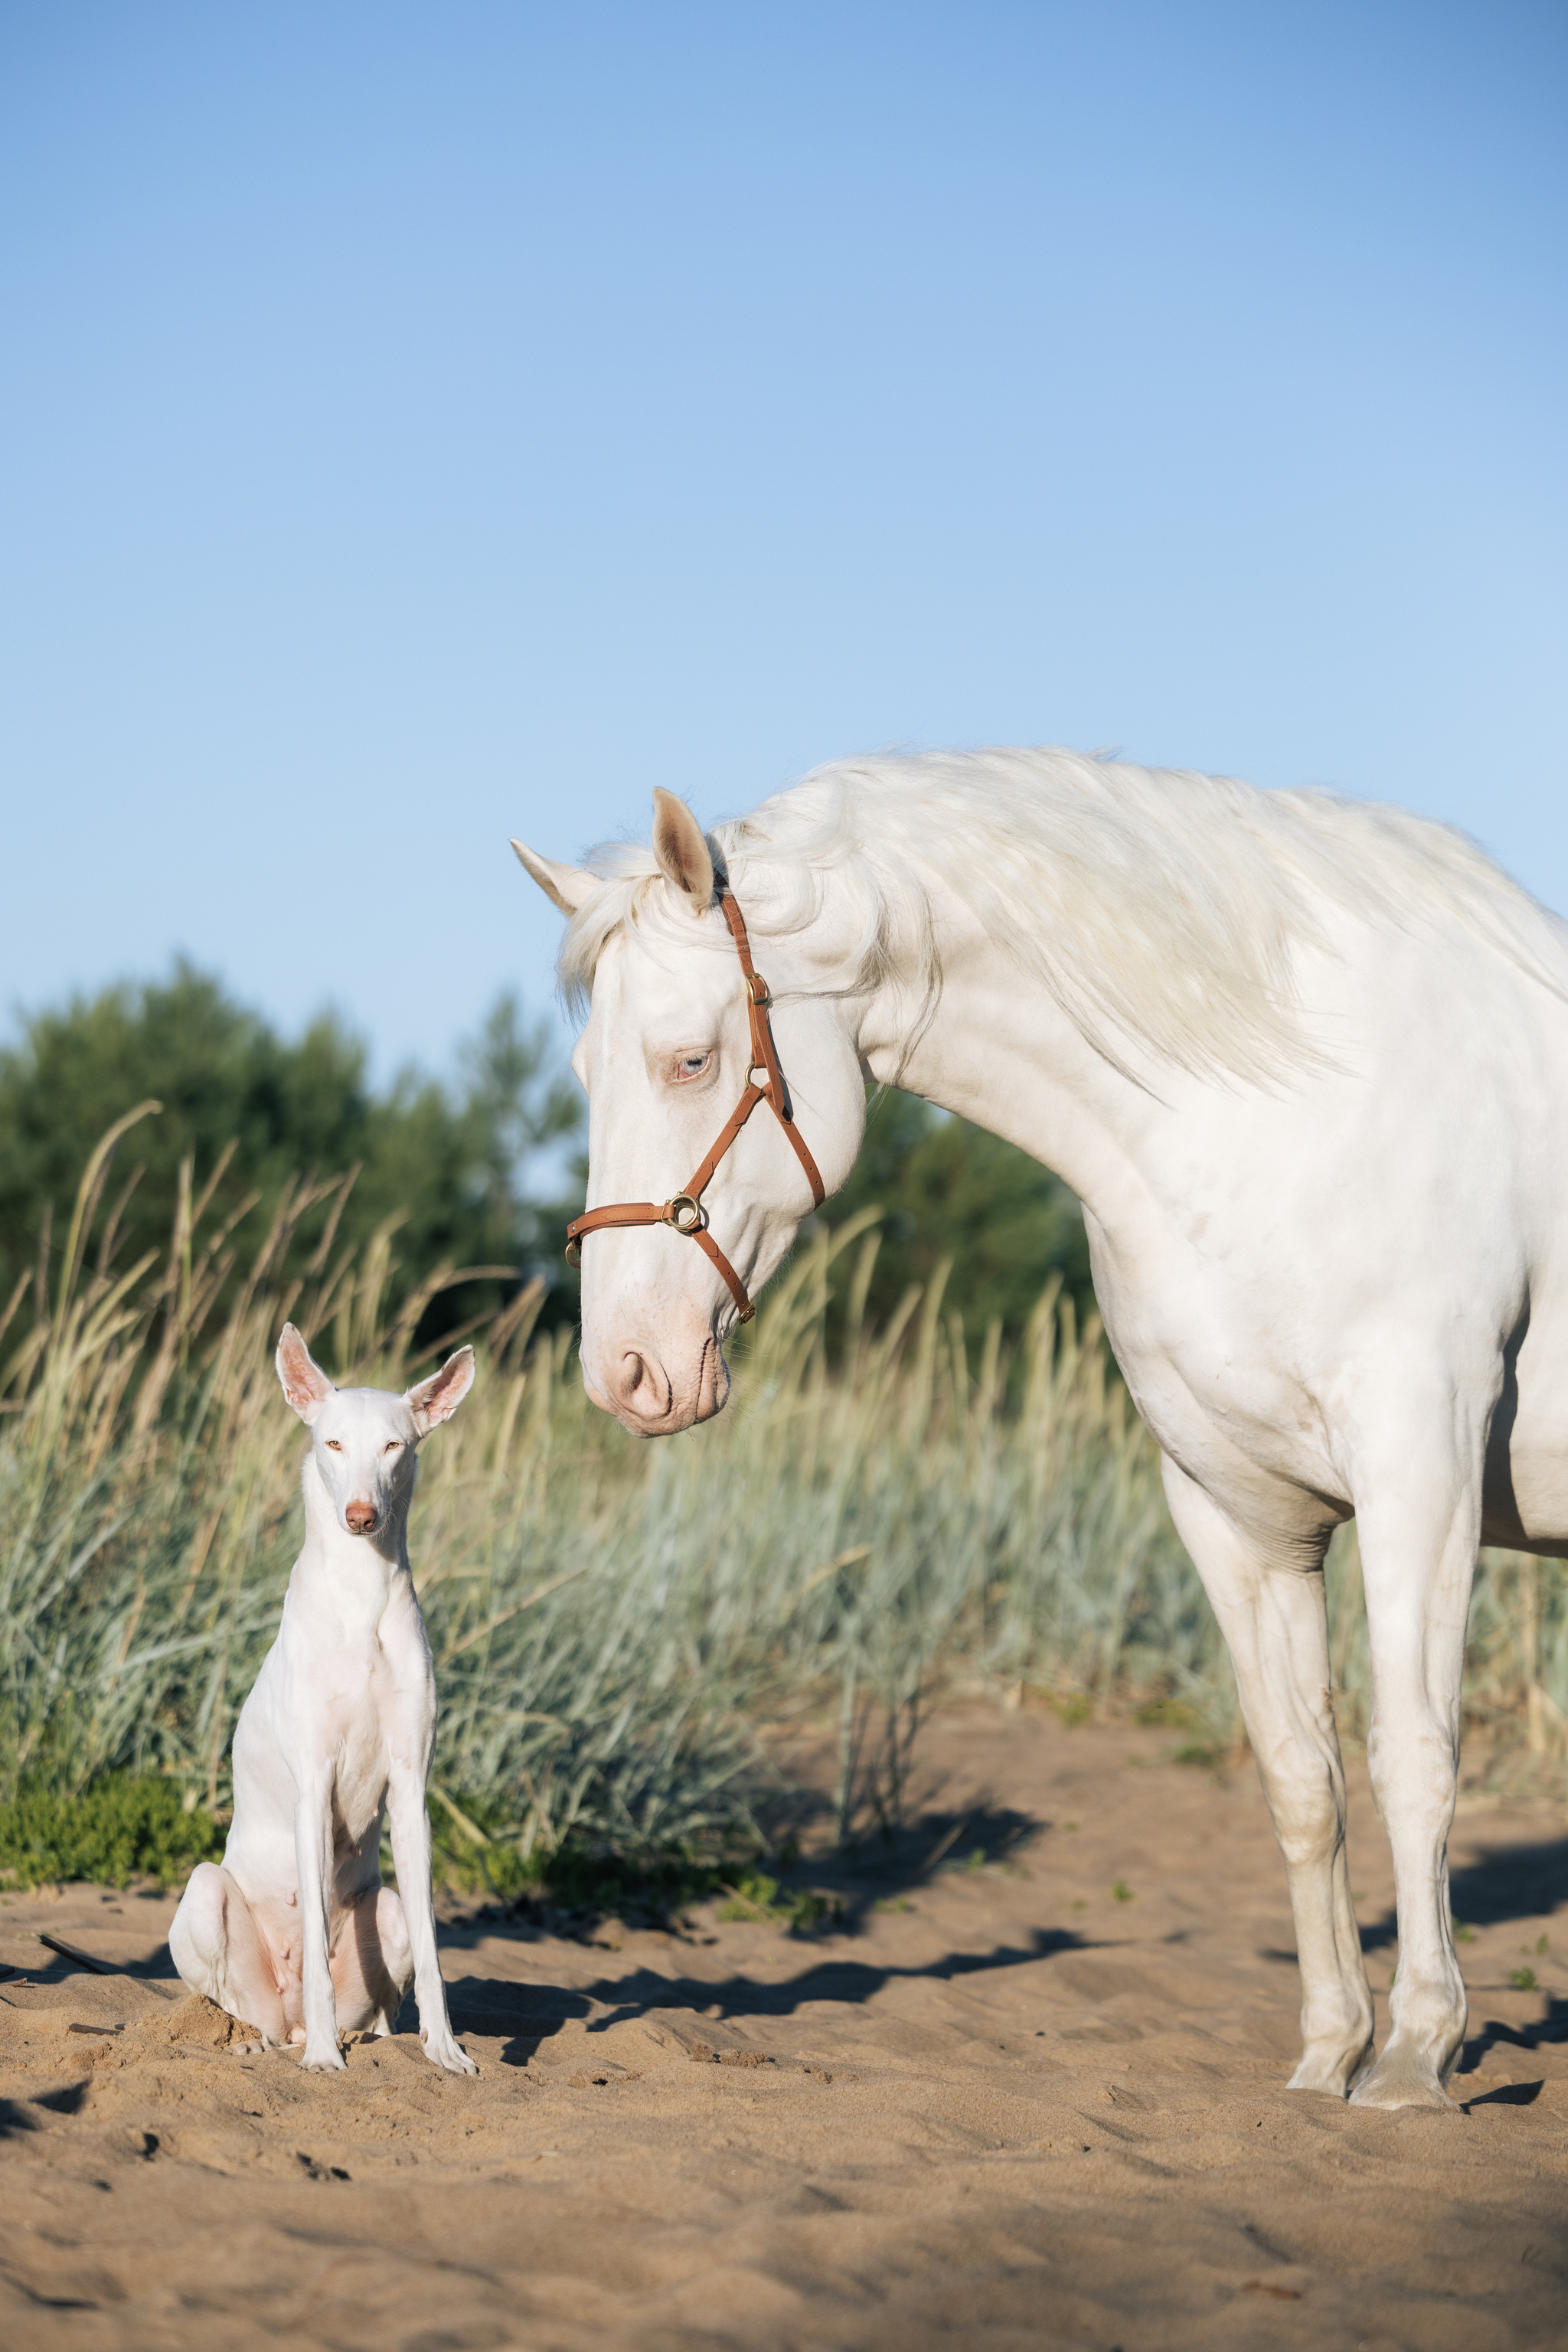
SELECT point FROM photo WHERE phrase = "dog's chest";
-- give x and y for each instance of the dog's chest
(367, 1727)
(359, 1778)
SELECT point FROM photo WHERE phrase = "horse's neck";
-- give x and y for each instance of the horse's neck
(999, 1050)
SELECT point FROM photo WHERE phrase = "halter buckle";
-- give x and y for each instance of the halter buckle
(685, 1214)
(573, 1249)
(757, 989)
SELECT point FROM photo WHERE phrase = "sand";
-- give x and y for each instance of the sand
(1001, 2105)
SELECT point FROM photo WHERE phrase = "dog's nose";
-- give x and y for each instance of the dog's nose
(361, 1518)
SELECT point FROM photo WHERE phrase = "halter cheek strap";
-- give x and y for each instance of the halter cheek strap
(685, 1211)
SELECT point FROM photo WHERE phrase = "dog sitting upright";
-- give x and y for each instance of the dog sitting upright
(295, 1931)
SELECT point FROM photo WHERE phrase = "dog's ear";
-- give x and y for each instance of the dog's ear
(437, 1399)
(305, 1384)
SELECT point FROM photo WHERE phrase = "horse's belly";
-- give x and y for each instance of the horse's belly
(1525, 1493)
(1526, 1500)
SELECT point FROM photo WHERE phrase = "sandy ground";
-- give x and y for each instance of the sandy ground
(1001, 2105)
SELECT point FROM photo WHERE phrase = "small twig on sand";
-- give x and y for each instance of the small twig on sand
(944, 1843)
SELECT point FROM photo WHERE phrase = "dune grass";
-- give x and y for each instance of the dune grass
(621, 1631)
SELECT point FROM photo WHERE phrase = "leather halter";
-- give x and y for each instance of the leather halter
(684, 1211)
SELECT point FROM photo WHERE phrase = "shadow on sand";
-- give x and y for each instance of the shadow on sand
(1515, 1881)
(532, 2014)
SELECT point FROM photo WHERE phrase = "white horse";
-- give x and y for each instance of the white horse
(1305, 1063)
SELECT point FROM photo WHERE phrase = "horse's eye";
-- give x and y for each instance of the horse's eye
(691, 1065)
(332, 1446)
(395, 1447)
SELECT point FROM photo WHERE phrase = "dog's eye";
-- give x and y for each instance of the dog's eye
(332, 1446)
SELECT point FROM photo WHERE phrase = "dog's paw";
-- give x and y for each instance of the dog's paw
(326, 2059)
(450, 2054)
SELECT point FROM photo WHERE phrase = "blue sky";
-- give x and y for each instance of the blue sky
(421, 424)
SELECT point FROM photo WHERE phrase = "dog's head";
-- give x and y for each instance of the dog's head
(364, 1440)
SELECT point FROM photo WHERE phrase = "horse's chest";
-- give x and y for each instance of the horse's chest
(1216, 1393)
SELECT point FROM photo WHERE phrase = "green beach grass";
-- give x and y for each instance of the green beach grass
(620, 1629)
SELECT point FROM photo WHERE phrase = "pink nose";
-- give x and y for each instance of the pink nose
(361, 1518)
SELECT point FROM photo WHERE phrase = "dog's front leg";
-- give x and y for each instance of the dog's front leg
(313, 1865)
(410, 1825)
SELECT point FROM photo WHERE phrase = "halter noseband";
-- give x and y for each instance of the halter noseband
(685, 1211)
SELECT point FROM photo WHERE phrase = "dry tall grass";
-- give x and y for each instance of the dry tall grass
(614, 1624)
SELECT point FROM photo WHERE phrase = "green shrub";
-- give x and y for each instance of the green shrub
(476, 1850)
(120, 1827)
(756, 1896)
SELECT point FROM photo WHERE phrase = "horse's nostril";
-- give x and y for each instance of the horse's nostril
(642, 1388)
(361, 1518)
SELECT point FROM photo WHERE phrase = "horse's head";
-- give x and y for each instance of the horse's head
(666, 1058)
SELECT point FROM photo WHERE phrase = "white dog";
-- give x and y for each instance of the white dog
(295, 1931)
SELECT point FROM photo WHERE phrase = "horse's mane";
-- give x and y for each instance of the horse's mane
(1157, 906)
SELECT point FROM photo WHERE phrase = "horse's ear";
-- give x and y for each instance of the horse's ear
(681, 851)
(569, 886)
(305, 1384)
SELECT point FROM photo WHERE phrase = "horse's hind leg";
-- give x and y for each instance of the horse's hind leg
(219, 1950)
(1274, 1625)
(1420, 1529)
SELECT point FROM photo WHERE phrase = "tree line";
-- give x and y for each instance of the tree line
(466, 1170)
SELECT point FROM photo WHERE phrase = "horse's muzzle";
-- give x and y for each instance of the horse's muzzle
(644, 1399)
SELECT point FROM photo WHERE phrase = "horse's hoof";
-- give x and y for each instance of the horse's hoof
(1329, 2072)
(1328, 2081)
(1405, 2083)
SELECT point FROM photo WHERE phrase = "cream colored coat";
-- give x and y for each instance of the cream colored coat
(1334, 1270)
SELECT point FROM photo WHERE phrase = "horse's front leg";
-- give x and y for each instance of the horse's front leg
(1419, 1523)
(1274, 1625)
